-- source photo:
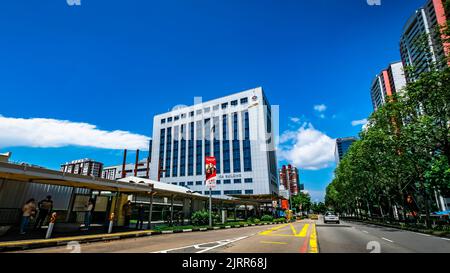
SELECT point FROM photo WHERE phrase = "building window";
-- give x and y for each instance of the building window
(177, 118)
(246, 143)
(244, 100)
(216, 132)
(190, 183)
(236, 145)
(226, 146)
(207, 137)
(163, 121)
(234, 103)
(227, 181)
(213, 192)
(248, 180)
(198, 112)
(224, 105)
(191, 114)
(199, 148)
(218, 182)
(168, 151)
(237, 181)
(198, 183)
(206, 110)
(182, 184)
(232, 192)
(169, 119)
(248, 191)
(174, 183)
(183, 151)
(191, 150)
(176, 131)
(162, 140)
(216, 107)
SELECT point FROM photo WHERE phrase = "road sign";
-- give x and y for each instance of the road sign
(211, 172)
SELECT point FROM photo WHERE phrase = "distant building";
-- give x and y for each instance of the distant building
(84, 166)
(115, 172)
(424, 22)
(290, 179)
(342, 146)
(5, 157)
(235, 129)
(390, 81)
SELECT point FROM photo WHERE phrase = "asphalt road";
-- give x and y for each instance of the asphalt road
(300, 237)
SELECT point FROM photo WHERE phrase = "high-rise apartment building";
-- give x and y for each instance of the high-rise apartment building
(390, 81)
(84, 166)
(290, 179)
(342, 146)
(237, 130)
(420, 45)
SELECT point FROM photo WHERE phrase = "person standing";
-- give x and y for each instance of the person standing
(140, 220)
(88, 213)
(28, 211)
(127, 211)
(45, 208)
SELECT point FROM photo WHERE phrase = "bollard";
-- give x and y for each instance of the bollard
(50, 226)
(111, 222)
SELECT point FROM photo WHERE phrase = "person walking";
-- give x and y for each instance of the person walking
(88, 213)
(45, 208)
(140, 220)
(28, 211)
(127, 211)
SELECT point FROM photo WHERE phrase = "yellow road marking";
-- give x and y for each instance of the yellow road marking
(313, 241)
(304, 231)
(293, 229)
(274, 243)
(270, 230)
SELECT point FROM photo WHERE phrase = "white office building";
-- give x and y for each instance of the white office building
(237, 130)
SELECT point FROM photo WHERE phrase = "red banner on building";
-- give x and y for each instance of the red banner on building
(211, 171)
(284, 204)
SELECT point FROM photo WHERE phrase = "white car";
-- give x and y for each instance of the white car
(331, 217)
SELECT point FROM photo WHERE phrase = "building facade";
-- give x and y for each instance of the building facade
(390, 81)
(84, 166)
(290, 179)
(420, 43)
(237, 130)
(115, 172)
(342, 146)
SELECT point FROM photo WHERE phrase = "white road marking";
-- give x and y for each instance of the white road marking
(387, 240)
(204, 249)
(365, 231)
(427, 235)
(447, 239)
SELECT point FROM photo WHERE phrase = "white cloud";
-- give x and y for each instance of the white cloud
(359, 122)
(43, 132)
(294, 119)
(307, 148)
(320, 108)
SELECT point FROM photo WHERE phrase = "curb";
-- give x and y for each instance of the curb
(43, 243)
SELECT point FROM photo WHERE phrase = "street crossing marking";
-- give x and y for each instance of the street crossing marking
(203, 246)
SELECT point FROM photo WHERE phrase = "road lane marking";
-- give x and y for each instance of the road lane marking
(304, 231)
(387, 240)
(270, 230)
(203, 248)
(293, 229)
(427, 235)
(274, 243)
(365, 231)
(313, 241)
(447, 239)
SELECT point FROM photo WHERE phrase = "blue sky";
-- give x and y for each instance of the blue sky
(114, 64)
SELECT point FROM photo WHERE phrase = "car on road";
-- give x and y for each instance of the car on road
(331, 217)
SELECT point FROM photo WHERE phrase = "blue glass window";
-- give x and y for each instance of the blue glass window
(168, 151)
(199, 148)
(191, 150)
(175, 151)
(236, 145)
(248, 191)
(246, 144)
(248, 180)
(237, 181)
(226, 146)
(216, 132)
(183, 151)
(227, 181)
(198, 183)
